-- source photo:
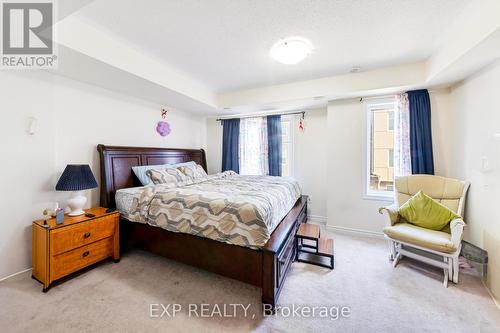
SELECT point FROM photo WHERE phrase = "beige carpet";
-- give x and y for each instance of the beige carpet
(117, 297)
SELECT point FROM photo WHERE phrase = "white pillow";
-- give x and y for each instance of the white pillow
(140, 170)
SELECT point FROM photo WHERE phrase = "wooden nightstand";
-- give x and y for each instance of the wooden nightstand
(59, 250)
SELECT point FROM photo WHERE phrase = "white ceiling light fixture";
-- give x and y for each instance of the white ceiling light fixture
(291, 50)
(355, 69)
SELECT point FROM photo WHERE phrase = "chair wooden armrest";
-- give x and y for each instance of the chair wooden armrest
(457, 228)
(392, 214)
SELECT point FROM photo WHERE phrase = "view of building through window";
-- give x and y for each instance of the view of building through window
(382, 149)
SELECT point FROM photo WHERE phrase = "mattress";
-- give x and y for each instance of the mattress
(124, 199)
(227, 207)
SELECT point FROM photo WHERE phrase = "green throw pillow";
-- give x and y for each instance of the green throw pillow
(421, 210)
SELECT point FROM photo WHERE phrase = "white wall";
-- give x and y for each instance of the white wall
(442, 131)
(310, 161)
(72, 119)
(309, 167)
(347, 209)
(214, 146)
(476, 121)
(27, 165)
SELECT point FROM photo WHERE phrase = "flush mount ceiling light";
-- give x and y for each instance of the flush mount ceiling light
(291, 50)
(355, 69)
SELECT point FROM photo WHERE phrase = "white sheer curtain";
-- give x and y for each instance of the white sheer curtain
(253, 146)
(402, 157)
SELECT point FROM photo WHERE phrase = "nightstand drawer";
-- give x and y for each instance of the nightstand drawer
(76, 259)
(73, 236)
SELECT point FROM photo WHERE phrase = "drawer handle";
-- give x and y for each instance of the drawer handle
(86, 253)
(86, 235)
(286, 256)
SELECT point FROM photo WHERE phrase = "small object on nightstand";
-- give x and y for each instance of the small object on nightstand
(50, 212)
(61, 249)
(47, 215)
(59, 216)
(90, 214)
(110, 210)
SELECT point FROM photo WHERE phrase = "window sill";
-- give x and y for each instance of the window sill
(378, 197)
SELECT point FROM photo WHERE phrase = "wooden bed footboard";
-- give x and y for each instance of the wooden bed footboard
(280, 252)
(266, 268)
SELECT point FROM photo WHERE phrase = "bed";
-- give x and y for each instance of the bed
(263, 264)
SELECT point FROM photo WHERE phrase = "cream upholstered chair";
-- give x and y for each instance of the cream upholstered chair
(437, 248)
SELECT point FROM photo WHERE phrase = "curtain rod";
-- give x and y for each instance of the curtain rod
(392, 95)
(257, 115)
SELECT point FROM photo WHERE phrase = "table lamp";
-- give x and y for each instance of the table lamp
(76, 178)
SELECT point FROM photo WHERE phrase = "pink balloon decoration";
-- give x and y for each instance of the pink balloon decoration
(163, 128)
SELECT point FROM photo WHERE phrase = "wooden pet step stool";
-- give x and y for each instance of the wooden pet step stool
(321, 247)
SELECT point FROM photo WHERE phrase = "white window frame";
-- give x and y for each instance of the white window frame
(371, 105)
(291, 120)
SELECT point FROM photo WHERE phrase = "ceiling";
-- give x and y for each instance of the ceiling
(224, 44)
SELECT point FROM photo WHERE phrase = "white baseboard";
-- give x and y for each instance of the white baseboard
(12, 275)
(356, 232)
(497, 302)
(317, 219)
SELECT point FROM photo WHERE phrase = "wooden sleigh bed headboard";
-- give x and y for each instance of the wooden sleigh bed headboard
(117, 163)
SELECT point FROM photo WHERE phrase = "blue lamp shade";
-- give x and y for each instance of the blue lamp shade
(76, 178)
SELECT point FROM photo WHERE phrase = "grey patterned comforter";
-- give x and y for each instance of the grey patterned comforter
(227, 207)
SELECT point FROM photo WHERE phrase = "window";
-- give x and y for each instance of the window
(253, 150)
(253, 146)
(286, 145)
(379, 166)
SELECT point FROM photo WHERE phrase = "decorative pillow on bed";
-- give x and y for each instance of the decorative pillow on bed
(193, 171)
(140, 170)
(166, 176)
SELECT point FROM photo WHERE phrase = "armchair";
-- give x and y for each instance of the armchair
(437, 248)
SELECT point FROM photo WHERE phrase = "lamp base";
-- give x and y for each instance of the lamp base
(76, 204)
(76, 213)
